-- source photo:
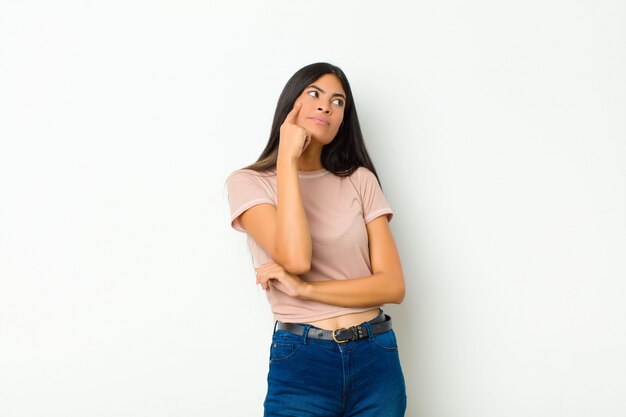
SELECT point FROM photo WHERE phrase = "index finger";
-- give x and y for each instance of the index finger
(291, 116)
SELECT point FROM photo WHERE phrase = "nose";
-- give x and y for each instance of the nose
(323, 108)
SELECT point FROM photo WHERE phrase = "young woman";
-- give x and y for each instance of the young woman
(318, 232)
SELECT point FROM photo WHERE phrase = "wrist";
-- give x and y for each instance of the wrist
(306, 291)
(287, 162)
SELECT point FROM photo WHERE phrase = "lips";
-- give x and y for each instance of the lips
(320, 121)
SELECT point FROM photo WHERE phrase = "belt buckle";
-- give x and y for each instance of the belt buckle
(335, 336)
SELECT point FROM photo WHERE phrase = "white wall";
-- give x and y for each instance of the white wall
(497, 129)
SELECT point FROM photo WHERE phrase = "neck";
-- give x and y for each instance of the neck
(311, 158)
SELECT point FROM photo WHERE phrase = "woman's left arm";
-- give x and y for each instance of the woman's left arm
(385, 285)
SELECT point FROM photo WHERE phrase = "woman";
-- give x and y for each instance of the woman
(317, 226)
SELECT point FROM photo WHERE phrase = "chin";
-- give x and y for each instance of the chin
(322, 141)
(323, 138)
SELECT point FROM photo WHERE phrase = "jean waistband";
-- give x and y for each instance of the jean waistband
(379, 324)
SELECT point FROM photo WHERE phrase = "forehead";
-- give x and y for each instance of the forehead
(329, 83)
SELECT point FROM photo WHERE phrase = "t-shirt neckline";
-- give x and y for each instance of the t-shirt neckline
(313, 174)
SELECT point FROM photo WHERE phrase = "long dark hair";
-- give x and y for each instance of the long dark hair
(346, 152)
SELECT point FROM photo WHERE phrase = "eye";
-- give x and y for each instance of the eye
(338, 102)
(313, 93)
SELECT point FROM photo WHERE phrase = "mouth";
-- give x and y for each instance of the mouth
(319, 121)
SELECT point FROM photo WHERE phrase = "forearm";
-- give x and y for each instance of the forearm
(293, 238)
(380, 288)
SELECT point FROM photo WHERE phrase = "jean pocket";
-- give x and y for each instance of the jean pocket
(284, 346)
(386, 341)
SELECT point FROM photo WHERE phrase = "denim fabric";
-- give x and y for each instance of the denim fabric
(312, 377)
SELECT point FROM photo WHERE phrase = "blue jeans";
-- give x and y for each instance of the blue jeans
(313, 377)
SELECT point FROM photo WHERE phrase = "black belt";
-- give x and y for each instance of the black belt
(380, 324)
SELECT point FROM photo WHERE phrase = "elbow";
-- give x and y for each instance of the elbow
(297, 267)
(399, 290)
(294, 263)
(400, 295)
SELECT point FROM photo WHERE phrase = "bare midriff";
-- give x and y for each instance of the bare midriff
(345, 321)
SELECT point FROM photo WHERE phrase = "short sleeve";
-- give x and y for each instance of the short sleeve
(374, 202)
(246, 189)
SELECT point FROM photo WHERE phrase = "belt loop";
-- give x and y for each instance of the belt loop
(305, 333)
(370, 332)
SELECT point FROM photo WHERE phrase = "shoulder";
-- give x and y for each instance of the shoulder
(363, 175)
(248, 175)
(363, 171)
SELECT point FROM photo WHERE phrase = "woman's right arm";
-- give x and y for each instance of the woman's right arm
(283, 231)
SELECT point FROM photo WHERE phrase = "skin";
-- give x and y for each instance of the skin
(325, 102)
(283, 231)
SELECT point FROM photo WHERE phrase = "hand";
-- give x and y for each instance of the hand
(293, 138)
(284, 281)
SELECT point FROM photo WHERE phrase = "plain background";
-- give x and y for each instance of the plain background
(498, 130)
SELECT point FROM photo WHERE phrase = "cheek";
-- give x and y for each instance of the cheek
(304, 111)
(300, 119)
(339, 121)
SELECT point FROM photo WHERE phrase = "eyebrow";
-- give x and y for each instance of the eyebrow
(336, 94)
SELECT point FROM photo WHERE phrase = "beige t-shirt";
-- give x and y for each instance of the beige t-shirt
(337, 210)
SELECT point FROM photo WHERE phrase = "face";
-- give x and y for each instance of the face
(323, 103)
